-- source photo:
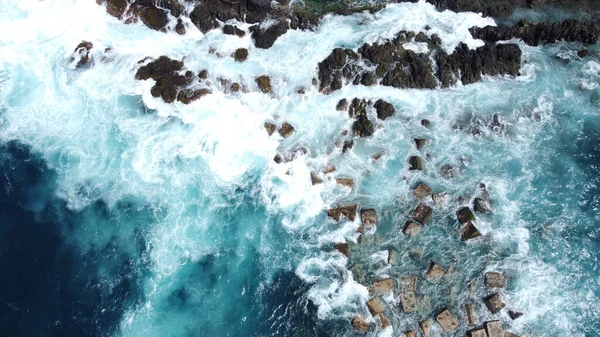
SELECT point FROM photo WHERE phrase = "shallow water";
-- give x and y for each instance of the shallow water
(126, 216)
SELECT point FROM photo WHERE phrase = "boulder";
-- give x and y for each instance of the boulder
(383, 286)
(154, 17)
(360, 324)
(409, 283)
(420, 142)
(342, 105)
(411, 228)
(384, 321)
(446, 321)
(270, 127)
(235, 87)
(348, 211)
(465, 215)
(422, 213)
(514, 314)
(265, 37)
(368, 217)
(469, 231)
(408, 301)
(286, 130)
(471, 314)
(203, 74)
(425, 327)
(314, 178)
(207, 13)
(82, 51)
(494, 280)
(422, 191)
(494, 303)
(435, 272)
(415, 163)
(362, 126)
(241, 54)
(446, 171)
(494, 329)
(425, 123)
(348, 182)
(384, 109)
(233, 30)
(375, 307)
(482, 206)
(264, 83)
(343, 248)
(477, 333)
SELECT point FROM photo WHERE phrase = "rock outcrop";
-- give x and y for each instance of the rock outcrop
(82, 53)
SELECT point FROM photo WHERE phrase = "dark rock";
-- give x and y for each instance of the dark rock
(155, 18)
(469, 231)
(415, 164)
(420, 142)
(286, 130)
(583, 53)
(233, 30)
(422, 213)
(465, 215)
(494, 329)
(447, 321)
(368, 217)
(270, 127)
(447, 171)
(411, 228)
(347, 146)
(331, 69)
(314, 178)
(542, 32)
(367, 79)
(425, 122)
(362, 126)
(343, 248)
(207, 12)
(203, 74)
(180, 27)
(360, 324)
(494, 303)
(241, 54)
(348, 212)
(494, 280)
(514, 314)
(235, 87)
(342, 105)
(278, 159)
(384, 109)
(82, 51)
(482, 206)
(264, 83)
(265, 38)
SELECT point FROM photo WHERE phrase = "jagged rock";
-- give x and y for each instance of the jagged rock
(265, 38)
(469, 231)
(494, 329)
(478, 333)
(411, 228)
(154, 17)
(440, 198)
(392, 257)
(494, 280)
(343, 248)
(422, 191)
(383, 286)
(471, 314)
(409, 283)
(368, 217)
(83, 52)
(286, 130)
(347, 146)
(534, 34)
(207, 12)
(203, 74)
(420, 142)
(514, 314)
(180, 27)
(233, 30)
(408, 301)
(384, 109)
(425, 327)
(349, 212)
(434, 272)
(362, 126)
(342, 105)
(482, 206)
(446, 321)
(345, 182)
(422, 213)
(465, 215)
(425, 122)
(270, 127)
(360, 324)
(314, 178)
(384, 321)
(375, 307)
(415, 163)
(510, 334)
(410, 333)
(241, 54)
(264, 83)
(494, 303)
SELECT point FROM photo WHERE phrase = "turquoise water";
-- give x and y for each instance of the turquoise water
(126, 216)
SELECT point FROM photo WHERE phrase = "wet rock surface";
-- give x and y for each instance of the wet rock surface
(82, 53)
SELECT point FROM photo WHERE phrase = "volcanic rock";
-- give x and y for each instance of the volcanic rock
(446, 321)
(384, 109)
(265, 38)
(342, 105)
(155, 18)
(83, 52)
(264, 83)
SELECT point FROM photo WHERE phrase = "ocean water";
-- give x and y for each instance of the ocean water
(126, 216)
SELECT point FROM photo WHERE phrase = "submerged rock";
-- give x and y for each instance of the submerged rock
(368, 217)
(82, 51)
(510, 334)
(409, 283)
(360, 324)
(383, 286)
(494, 303)
(408, 301)
(494, 280)
(384, 321)
(411, 228)
(410, 333)
(384, 109)
(425, 327)
(264, 83)
(447, 321)
(420, 142)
